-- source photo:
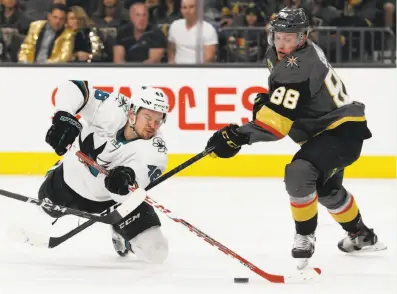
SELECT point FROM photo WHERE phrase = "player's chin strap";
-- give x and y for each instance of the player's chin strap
(132, 126)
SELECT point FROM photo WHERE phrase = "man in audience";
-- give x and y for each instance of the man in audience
(48, 41)
(139, 41)
(183, 34)
(11, 16)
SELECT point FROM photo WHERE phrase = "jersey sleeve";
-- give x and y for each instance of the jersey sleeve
(288, 94)
(107, 111)
(77, 97)
(256, 133)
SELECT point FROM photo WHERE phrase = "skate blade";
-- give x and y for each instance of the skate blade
(379, 246)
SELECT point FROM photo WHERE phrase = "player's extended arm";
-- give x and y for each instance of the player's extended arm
(228, 141)
(72, 97)
(273, 116)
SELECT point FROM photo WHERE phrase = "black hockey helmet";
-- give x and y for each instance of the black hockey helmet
(289, 20)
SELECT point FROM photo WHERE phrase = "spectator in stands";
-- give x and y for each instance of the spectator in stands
(238, 7)
(88, 46)
(110, 14)
(9, 45)
(183, 34)
(48, 41)
(11, 16)
(139, 41)
(226, 30)
(248, 45)
(167, 11)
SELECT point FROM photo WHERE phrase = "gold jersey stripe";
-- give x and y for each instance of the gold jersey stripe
(273, 121)
(345, 119)
(348, 214)
(304, 212)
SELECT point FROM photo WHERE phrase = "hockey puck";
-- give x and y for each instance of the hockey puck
(241, 280)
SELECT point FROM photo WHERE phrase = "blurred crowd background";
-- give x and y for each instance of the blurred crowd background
(187, 31)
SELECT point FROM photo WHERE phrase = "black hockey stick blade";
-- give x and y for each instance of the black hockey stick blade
(55, 241)
(110, 216)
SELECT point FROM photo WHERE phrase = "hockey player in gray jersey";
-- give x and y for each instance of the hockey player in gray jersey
(121, 134)
(308, 102)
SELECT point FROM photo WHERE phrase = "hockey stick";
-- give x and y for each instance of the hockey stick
(270, 277)
(51, 242)
(110, 216)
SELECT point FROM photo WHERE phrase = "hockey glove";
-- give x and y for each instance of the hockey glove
(119, 179)
(227, 141)
(64, 130)
(260, 100)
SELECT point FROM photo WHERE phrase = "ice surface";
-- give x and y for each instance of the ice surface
(250, 216)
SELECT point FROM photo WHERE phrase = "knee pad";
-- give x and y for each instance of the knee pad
(142, 218)
(150, 245)
(335, 199)
(300, 178)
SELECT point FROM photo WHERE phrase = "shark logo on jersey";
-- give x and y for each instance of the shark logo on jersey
(158, 142)
(122, 100)
(87, 147)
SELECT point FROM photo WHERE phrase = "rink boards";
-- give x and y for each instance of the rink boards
(202, 101)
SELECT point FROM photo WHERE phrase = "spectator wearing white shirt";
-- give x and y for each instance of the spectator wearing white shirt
(183, 35)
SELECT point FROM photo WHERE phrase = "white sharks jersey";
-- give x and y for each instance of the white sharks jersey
(104, 116)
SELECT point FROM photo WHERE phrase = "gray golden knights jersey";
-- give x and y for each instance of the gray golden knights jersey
(104, 116)
(306, 98)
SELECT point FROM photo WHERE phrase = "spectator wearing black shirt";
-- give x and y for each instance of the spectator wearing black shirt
(167, 11)
(110, 14)
(11, 16)
(139, 41)
(88, 45)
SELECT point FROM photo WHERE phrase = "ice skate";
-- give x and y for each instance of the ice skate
(121, 246)
(364, 240)
(303, 249)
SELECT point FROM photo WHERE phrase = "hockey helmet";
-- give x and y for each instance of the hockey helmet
(289, 20)
(150, 98)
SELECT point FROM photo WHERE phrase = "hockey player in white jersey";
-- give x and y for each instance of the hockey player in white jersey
(123, 136)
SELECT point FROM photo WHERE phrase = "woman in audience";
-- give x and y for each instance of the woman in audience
(88, 45)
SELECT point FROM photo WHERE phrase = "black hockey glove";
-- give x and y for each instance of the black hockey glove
(260, 100)
(64, 130)
(119, 179)
(227, 141)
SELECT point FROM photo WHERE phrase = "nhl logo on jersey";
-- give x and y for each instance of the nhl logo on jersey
(292, 62)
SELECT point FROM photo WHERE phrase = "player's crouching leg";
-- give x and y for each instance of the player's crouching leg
(140, 232)
(151, 245)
